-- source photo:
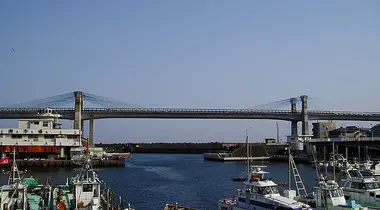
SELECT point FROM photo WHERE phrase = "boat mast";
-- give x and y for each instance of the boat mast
(333, 146)
(12, 176)
(247, 145)
(289, 168)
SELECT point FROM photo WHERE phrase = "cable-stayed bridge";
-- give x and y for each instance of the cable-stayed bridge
(109, 108)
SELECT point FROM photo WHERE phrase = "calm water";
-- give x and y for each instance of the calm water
(149, 181)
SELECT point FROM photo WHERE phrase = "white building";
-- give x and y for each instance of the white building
(43, 135)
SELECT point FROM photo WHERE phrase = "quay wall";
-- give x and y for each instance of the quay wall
(179, 148)
(63, 164)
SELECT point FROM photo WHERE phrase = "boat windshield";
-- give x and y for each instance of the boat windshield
(355, 174)
(336, 193)
(372, 185)
(268, 190)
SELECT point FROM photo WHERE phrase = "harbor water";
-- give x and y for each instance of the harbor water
(149, 181)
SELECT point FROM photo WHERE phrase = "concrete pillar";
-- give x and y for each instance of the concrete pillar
(293, 108)
(78, 110)
(305, 116)
(91, 132)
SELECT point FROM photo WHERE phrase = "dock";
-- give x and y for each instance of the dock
(64, 163)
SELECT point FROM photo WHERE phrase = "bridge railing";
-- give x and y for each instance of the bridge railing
(178, 110)
(174, 110)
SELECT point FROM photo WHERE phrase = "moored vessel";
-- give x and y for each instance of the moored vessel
(365, 190)
(84, 191)
(24, 193)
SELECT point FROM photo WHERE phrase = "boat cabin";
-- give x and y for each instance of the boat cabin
(87, 187)
(329, 194)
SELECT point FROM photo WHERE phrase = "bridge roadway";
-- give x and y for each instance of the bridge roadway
(101, 113)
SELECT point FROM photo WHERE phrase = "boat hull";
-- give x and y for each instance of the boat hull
(230, 204)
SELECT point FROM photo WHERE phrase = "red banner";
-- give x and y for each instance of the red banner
(4, 161)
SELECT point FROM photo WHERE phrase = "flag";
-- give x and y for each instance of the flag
(4, 161)
(87, 148)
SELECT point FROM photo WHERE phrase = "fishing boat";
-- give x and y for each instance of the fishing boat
(84, 191)
(14, 194)
(23, 193)
(38, 195)
(329, 195)
(365, 190)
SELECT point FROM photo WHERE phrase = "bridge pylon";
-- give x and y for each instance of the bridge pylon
(293, 108)
(305, 116)
(78, 122)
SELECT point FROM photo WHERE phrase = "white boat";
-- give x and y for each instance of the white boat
(365, 190)
(330, 196)
(259, 193)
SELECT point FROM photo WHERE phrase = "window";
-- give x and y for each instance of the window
(16, 136)
(45, 124)
(274, 189)
(372, 185)
(335, 193)
(87, 188)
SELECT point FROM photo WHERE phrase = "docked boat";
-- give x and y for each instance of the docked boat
(38, 195)
(330, 196)
(260, 192)
(84, 192)
(365, 190)
(24, 193)
(14, 194)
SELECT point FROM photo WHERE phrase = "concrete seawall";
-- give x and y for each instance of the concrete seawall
(64, 164)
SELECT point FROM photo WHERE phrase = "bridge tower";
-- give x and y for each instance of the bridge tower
(91, 132)
(304, 115)
(294, 128)
(78, 122)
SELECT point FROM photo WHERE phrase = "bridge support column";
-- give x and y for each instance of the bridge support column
(294, 127)
(78, 110)
(91, 132)
(305, 116)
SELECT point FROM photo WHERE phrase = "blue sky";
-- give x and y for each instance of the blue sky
(196, 54)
